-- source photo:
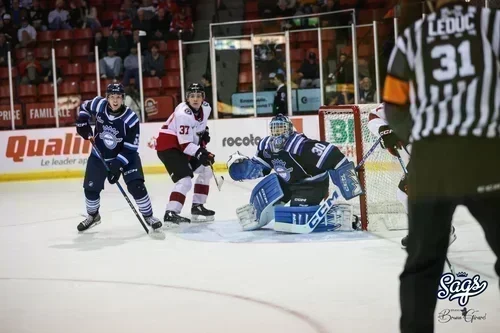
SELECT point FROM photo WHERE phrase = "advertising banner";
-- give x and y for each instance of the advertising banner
(309, 99)
(243, 102)
(61, 152)
(6, 115)
(44, 113)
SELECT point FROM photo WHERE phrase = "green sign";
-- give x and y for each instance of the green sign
(341, 131)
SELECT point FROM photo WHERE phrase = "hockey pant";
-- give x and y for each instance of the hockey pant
(182, 170)
(95, 178)
(304, 194)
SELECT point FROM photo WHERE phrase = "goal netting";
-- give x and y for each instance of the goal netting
(346, 127)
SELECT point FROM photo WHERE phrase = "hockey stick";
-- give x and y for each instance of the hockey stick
(368, 153)
(324, 207)
(218, 180)
(119, 186)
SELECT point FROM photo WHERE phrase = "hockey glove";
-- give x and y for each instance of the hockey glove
(390, 140)
(205, 157)
(84, 130)
(205, 137)
(115, 170)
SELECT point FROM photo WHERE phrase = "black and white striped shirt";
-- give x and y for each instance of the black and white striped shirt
(446, 69)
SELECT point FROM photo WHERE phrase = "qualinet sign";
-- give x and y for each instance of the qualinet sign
(45, 150)
(19, 147)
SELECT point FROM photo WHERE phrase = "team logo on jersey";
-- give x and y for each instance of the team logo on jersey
(281, 169)
(108, 136)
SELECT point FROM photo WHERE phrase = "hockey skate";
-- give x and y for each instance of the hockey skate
(153, 222)
(200, 214)
(173, 220)
(90, 222)
(453, 237)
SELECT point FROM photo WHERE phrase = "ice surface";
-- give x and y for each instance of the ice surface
(206, 278)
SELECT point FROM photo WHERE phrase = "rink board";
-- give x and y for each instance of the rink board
(60, 153)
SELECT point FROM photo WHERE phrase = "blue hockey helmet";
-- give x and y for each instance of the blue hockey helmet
(115, 89)
(280, 128)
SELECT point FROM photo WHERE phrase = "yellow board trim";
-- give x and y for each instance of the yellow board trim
(56, 174)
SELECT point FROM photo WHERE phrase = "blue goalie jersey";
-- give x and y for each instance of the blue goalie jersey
(301, 159)
(115, 137)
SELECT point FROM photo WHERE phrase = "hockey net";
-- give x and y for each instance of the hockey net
(346, 127)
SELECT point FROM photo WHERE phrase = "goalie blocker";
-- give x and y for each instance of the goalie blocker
(266, 204)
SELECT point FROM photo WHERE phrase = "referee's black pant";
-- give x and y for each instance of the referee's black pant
(443, 175)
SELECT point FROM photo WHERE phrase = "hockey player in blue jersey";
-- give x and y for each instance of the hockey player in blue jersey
(117, 138)
(302, 168)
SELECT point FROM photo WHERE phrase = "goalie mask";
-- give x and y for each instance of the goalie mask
(280, 129)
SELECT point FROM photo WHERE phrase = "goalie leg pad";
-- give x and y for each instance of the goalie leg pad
(260, 211)
(346, 179)
(266, 193)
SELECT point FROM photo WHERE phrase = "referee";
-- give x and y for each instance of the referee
(442, 94)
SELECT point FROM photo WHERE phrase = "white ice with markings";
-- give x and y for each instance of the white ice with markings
(204, 278)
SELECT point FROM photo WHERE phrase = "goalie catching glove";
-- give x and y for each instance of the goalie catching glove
(241, 167)
(390, 140)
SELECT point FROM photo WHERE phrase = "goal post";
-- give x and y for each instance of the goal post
(345, 126)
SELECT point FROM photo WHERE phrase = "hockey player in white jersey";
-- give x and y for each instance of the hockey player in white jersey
(181, 146)
(378, 125)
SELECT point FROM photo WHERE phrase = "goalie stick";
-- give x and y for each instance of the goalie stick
(158, 234)
(405, 170)
(326, 205)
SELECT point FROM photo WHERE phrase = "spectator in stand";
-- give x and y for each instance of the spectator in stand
(308, 73)
(15, 12)
(91, 20)
(30, 69)
(111, 65)
(46, 64)
(77, 14)
(26, 34)
(3, 8)
(131, 68)
(154, 63)
(367, 92)
(206, 81)
(25, 3)
(148, 8)
(169, 6)
(344, 72)
(140, 22)
(38, 16)
(118, 43)
(122, 23)
(160, 25)
(129, 9)
(59, 17)
(136, 38)
(4, 48)
(9, 30)
(182, 26)
(102, 46)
